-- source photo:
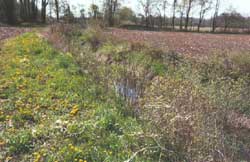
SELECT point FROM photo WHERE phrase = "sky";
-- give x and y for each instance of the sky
(242, 6)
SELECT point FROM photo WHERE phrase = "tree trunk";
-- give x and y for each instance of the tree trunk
(9, 11)
(173, 19)
(181, 21)
(215, 15)
(187, 15)
(43, 11)
(57, 10)
(200, 19)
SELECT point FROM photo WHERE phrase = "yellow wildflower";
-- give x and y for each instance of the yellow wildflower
(8, 158)
(2, 143)
(74, 110)
(7, 117)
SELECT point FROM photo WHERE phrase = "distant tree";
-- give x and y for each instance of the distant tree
(44, 4)
(82, 13)
(174, 10)
(188, 10)
(159, 15)
(205, 6)
(161, 8)
(57, 9)
(68, 15)
(8, 9)
(110, 10)
(216, 11)
(232, 19)
(164, 8)
(181, 8)
(94, 10)
(147, 6)
(126, 14)
(28, 10)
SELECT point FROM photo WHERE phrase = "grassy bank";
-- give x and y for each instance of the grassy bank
(185, 105)
(109, 100)
(50, 111)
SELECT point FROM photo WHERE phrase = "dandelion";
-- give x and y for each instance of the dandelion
(2, 143)
(24, 60)
(74, 111)
(37, 157)
(8, 158)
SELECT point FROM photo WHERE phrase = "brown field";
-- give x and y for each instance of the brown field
(7, 32)
(190, 44)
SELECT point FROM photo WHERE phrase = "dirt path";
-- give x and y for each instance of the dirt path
(191, 44)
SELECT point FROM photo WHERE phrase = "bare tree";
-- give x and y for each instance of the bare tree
(205, 6)
(161, 6)
(160, 16)
(231, 19)
(216, 11)
(147, 6)
(94, 11)
(8, 7)
(181, 8)
(110, 9)
(189, 7)
(57, 10)
(28, 10)
(174, 10)
(164, 7)
(44, 5)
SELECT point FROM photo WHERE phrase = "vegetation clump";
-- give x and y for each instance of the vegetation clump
(50, 111)
(110, 100)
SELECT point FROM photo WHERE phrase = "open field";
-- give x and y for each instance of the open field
(192, 44)
(7, 32)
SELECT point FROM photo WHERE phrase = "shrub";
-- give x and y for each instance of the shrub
(92, 36)
(241, 61)
(184, 120)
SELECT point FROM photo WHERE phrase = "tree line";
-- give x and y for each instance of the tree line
(169, 14)
(189, 13)
(16, 11)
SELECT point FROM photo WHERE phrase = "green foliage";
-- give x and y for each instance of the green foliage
(241, 61)
(184, 101)
(93, 37)
(70, 107)
(21, 117)
(20, 142)
(159, 69)
(58, 113)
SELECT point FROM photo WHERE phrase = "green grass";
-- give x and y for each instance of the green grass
(63, 106)
(50, 111)
(184, 103)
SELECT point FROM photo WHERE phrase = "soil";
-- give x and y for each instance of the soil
(7, 32)
(190, 44)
